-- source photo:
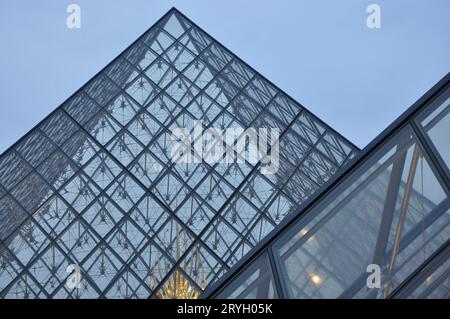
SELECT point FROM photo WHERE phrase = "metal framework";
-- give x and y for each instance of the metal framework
(93, 183)
(389, 206)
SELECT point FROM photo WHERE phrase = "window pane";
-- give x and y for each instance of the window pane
(434, 286)
(255, 282)
(392, 211)
(437, 125)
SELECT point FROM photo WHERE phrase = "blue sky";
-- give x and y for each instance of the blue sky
(358, 80)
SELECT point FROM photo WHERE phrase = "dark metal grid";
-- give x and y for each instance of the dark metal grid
(409, 118)
(99, 97)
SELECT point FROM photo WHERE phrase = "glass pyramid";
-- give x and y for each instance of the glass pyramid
(388, 210)
(94, 185)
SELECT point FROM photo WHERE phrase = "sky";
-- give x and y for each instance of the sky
(322, 53)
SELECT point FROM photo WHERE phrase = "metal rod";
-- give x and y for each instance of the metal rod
(403, 211)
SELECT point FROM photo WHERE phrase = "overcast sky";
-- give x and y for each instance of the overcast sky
(356, 79)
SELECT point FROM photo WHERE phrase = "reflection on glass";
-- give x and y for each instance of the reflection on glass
(392, 211)
(435, 285)
(255, 282)
(437, 125)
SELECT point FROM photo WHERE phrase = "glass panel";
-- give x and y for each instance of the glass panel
(216, 56)
(283, 108)
(12, 169)
(240, 214)
(161, 73)
(149, 215)
(201, 266)
(25, 287)
(57, 169)
(392, 211)
(140, 55)
(103, 215)
(174, 238)
(50, 269)
(12, 215)
(199, 73)
(178, 286)
(27, 242)
(147, 168)
(59, 127)
(54, 216)
(144, 127)
(124, 147)
(80, 148)
(151, 266)
(195, 40)
(126, 239)
(159, 42)
(127, 286)
(121, 72)
(123, 109)
(259, 230)
(35, 148)
(255, 282)
(78, 241)
(9, 268)
(182, 90)
(102, 127)
(125, 192)
(102, 169)
(102, 266)
(260, 90)
(102, 90)
(244, 109)
(178, 56)
(195, 213)
(79, 192)
(435, 286)
(221, 91)
(31, 192)
(176, 25)
(222, 238)
(237, 73)
(163, 108)
(280, 207)
(214, 190)
(2, 191)
(142, 90)
(171, 190)
(436, 122)
(86, 291)
(81, 108)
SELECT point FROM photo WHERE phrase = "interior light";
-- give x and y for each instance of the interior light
(304, 231)
(316, 279)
